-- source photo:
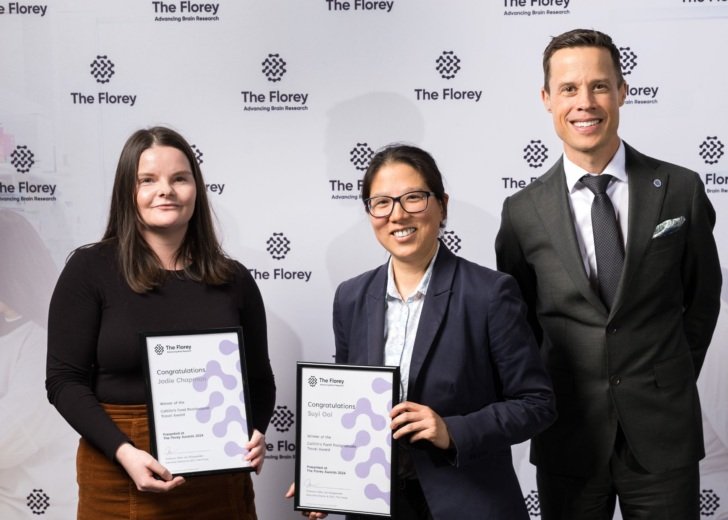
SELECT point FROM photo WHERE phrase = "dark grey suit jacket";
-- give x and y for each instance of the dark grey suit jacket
(476, 364)
(638, 364)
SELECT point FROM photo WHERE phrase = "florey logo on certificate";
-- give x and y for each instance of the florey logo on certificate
(197, 400)
(345, 463)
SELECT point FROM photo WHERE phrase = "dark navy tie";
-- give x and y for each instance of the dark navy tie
(608, 244)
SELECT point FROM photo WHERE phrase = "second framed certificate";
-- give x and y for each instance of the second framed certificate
(199, 410)
(346, 462)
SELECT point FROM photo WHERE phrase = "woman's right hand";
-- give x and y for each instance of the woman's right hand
(142, 468)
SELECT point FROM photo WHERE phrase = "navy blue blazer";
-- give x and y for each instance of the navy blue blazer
(476, 364)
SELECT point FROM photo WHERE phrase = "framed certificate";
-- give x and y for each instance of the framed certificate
(197, 396)
(346, 462)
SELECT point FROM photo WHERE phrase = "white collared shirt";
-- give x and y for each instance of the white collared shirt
(580, 199)
(400, 323)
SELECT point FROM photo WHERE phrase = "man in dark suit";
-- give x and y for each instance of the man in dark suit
(624, 310)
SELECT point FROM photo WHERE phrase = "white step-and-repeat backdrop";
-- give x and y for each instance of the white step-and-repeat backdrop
(285, 101)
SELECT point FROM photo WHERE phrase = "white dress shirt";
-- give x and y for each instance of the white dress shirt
(581, 197)
(400, 324)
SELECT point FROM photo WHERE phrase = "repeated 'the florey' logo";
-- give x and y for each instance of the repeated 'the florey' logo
(711, 150)
(448, 66)
(274, 69)
(359, 156)
(38, 501)
(452, 241)
(16, 8)
(283, 418)
(103, 70)
(709, 500)
(198, 154)
(536, 7)
(282, 449)
(627, 60)
(211, 187)
(360, 5)
(186, 11)
(637, 94)
(23, 159)
(535, 153)
(278, 247)
(533, 505)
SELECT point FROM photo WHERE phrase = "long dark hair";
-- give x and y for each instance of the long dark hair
(200, 252)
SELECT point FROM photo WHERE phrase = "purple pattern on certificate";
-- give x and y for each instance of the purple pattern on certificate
(376, 456)
(216, 400)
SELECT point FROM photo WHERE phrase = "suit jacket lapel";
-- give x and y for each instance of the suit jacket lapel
(647, 188)
(433, 312)
(552, 205)
(376, 308)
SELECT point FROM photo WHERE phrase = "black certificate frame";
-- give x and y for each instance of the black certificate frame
(389, 373)
(150, 344)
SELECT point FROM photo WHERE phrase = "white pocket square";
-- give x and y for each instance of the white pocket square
(668, 227)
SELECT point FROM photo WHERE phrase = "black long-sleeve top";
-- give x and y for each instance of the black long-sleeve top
(94, 351)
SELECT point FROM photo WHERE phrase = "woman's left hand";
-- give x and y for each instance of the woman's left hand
(256, 451)
(420, 422)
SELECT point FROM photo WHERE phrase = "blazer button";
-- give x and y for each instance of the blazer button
(615, 380)
(612, 329)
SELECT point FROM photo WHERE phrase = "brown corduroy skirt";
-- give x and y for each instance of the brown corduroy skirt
(105, 491)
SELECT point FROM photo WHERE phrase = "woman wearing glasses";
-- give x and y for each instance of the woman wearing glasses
(473, 383)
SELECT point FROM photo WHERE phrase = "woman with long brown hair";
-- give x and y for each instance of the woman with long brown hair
(158, 267)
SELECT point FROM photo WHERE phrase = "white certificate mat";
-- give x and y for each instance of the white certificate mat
(345, 461)
(199, 413)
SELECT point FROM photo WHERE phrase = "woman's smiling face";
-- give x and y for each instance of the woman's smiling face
(408, 237)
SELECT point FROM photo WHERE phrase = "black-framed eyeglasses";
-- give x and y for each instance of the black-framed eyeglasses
(382, 206)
